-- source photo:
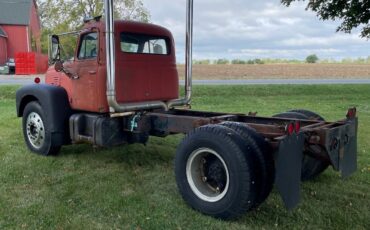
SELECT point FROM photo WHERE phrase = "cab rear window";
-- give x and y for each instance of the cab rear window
(144, 44)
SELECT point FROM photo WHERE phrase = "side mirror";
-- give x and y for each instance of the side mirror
(58, 66)
(55, 48)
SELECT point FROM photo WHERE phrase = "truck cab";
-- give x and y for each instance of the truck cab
(145, 64)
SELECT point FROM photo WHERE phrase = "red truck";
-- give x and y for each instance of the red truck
(122, 86)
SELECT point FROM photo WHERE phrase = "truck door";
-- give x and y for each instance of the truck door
(85, 96)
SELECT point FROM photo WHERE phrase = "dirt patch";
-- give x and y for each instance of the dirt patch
(280, 71)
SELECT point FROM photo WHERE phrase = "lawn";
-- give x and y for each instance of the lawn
(133, 187)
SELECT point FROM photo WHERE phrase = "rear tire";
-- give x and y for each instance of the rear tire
(36, 130)
(264, 156)
(214, 172)
(311, 167)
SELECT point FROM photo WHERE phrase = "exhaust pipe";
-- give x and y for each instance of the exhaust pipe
(114, 106)
(188, 59)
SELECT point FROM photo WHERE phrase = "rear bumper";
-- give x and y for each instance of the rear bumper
(341, 146)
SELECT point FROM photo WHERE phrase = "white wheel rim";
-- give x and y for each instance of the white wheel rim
(197, 176)
(35, 130)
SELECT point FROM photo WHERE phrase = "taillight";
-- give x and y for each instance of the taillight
(37, 80)
(351, 113)
(297, 127)
(290, 128)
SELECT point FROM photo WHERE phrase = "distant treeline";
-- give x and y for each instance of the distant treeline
(257, 61)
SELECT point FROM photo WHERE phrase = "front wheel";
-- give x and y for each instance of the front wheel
(36, 130)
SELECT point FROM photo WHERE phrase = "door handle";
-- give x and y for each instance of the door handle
(92, 72)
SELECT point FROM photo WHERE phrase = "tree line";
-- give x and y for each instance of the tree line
(310, 59)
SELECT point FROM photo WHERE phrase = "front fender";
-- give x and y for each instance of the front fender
(54, 102)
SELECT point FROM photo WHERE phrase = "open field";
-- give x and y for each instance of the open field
(252, 72)
(133, 187)
(279, 71)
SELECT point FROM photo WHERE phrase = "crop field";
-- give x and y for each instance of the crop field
(133, 187)
(279, 71)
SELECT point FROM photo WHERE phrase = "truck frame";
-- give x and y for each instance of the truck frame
(122, 87)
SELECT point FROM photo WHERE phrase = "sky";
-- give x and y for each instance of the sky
(242, 29)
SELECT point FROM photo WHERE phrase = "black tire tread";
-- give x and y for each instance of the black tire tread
(49, 148)
(263, 155)
(208, 135)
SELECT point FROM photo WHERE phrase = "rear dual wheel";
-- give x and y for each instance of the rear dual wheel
(311, 167)
(264, 161)
(217, 171)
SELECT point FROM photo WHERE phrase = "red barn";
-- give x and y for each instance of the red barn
(3, 47)
(20, 28)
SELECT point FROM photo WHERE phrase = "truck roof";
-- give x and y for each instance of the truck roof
(133, 27)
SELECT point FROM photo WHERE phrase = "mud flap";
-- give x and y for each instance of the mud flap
(342, 147)
(288, 165)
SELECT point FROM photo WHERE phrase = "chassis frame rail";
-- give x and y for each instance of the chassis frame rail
(337, 139)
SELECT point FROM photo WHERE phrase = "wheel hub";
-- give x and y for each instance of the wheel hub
(215, 173)
(207, 175)
(35, 130)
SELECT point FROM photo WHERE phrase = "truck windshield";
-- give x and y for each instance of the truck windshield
(144, 44)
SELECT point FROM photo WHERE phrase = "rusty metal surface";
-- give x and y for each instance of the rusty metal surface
(335, 142)
(182, 121)
(341, 144)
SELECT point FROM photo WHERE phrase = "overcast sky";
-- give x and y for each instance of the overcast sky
(255, 29)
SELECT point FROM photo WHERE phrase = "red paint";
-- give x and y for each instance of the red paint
(139, 77)
(290, 128)
(3, 50)
(297, 126)
(24, 38)
(35, 28)
(17, 39)
(143, 77)
(30, 63)
(25, 63)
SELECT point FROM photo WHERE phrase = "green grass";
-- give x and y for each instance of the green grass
(133, 187)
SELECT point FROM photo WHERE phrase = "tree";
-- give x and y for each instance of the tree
(259, 61)
(59, 16)
(222, 61)
(312, 58)
(352, 13)
(238, 62)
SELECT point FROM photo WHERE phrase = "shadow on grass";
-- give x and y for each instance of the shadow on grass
(156, 152)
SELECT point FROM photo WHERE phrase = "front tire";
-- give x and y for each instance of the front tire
(214, 174)
(36, 130)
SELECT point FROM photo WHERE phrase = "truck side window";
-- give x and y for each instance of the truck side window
(144, 44)
(89, 46)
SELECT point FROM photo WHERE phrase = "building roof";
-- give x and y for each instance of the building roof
(15, 12)
(2, 33)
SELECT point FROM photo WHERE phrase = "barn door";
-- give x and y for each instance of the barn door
(3, 51)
